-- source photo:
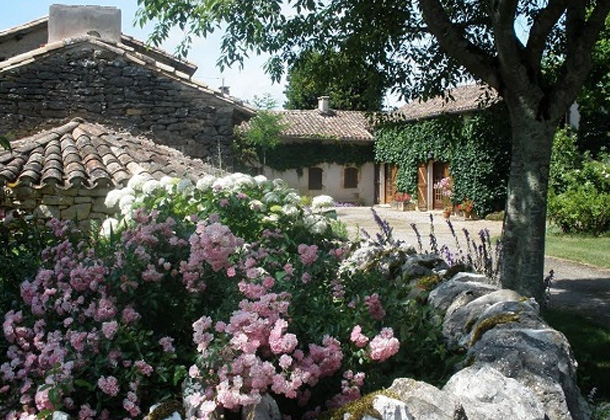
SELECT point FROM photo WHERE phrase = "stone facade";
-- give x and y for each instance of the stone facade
(115, 85)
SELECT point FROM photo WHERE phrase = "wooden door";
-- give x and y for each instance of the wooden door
(390, 172)
(440, 170)
(422, 187)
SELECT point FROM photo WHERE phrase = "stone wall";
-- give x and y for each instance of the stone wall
(107, 84)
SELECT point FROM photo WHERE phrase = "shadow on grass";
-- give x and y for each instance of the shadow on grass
(591, 344)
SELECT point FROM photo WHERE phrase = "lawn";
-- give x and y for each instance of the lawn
(590, 344)
(588, 250)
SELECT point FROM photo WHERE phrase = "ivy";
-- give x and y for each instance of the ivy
(304, 155)
(476, 147)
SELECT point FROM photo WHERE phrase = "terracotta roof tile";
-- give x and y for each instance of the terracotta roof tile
(465, 99)
(91, 155)
(337, 125)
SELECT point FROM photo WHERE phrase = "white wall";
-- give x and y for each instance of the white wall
(332, 183)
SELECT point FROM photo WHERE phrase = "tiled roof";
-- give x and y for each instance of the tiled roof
(80, 153)
(465, 99)
(338, 125)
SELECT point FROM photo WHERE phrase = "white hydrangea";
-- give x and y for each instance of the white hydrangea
(110, 225)
(112, 199)
(257, 205)
(137, 181)
(322, 201)
(184, 185)
(272, 218)
(290, 210)
(150, 186)
(242, 180)
(126, 203)
(168, 182)
(224, 183)
(271, 198)
(205, 183)
(260, 179)
(316, 223)
(292, 198)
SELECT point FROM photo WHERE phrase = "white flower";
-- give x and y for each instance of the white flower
(137, 181)
(271, 198)
(168, 182)
(322, 201)
(292, 198)
(242, 180)
(257, 205)
(205, 183)
(126, 203)
(150, 186)
(222, 184)
(272, 218)
(184, 185)
(290, 210)
(260, 179)
(110, 225)
(112, 199)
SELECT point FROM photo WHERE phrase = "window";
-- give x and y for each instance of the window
(350, 178)
(315, 178)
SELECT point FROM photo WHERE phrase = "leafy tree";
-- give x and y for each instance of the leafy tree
(423, 47)
(262, 133)
(351, 85)
(594, 99)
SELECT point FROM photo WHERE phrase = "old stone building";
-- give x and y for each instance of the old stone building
(87, 107)
(77, 63)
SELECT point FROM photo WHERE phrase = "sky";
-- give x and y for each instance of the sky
(244, 84)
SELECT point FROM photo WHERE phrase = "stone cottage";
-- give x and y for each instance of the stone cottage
(77, 63)
(87, 107)
(326, 152)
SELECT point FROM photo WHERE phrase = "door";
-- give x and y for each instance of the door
(440, 170)
(390, 172)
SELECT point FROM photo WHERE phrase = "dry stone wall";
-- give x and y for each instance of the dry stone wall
(102, 83)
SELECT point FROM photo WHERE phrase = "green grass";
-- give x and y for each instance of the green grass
(591, 345)
(589, 250)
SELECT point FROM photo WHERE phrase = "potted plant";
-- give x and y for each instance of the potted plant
(466, 207)
(402, 201)
(445, 187)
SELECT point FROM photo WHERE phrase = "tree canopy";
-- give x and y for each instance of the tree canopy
(353, 86)
(424, 47)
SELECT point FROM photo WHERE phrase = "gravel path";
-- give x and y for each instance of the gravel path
(576, 287)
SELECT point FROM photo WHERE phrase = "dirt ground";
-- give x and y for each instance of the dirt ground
(576, 287)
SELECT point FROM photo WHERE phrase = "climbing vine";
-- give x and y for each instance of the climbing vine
(304, 155)
(476, 147)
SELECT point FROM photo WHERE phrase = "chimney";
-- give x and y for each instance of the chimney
(225, 90)
(72, 21)
(323, 104)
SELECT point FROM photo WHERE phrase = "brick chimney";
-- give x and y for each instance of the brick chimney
(323, 104)
(72, 21)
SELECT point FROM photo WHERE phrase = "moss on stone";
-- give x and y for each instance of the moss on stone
(166, 409)
(491, 323)
(360, 408)
(429, 282)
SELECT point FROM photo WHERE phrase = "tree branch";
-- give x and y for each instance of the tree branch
(581, 37)
(541, 28)
(475, 60)
(509, 52)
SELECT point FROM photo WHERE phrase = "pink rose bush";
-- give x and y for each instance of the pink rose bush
(214, 283)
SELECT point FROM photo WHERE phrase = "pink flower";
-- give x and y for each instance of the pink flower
(167, 344)
(384, 345)
(129, 315)
(280, 342)
(86, 413)
(308, 254)
(358, 338)
(109, 385)
(144, 368)
(109, 329)
(375, 307)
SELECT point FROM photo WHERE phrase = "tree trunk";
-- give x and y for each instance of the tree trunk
(522, 263)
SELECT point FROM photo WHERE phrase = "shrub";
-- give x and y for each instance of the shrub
(583, 205)
(230, 283)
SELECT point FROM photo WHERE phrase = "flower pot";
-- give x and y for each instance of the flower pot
(468, 215)
(446, 214)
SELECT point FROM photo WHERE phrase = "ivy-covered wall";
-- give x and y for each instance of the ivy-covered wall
(297, 156)
(476, 146)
